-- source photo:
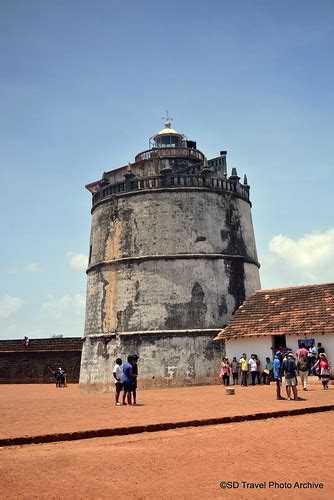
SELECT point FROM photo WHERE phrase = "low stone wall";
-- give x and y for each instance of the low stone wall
(37, 362)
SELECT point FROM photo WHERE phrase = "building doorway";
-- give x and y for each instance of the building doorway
(279, 342)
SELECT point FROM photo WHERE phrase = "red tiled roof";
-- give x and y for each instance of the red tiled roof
(298, 309)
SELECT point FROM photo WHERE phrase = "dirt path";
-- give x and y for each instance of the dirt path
(43, 409)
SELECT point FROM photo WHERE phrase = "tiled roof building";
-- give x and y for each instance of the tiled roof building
(299, 310)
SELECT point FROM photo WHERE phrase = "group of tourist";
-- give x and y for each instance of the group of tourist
(243, 367)
(291, 365)
(125, 377)
(305, 362)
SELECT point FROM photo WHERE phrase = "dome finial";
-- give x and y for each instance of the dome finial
(167, 120)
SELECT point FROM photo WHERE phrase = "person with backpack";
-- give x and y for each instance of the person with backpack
(303, 366)
(290, 370)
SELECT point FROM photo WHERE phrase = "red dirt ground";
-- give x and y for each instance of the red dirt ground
(179, 464)
(43, 409)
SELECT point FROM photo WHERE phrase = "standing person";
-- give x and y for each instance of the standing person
(118, 376)
(243, 363)
(303, 366)
(62, 378)
(312, 355)
(267, 372)
(253, 368)
(134, 363)
(325, 369)
(127, 380)
(278, 373)
(284, 358)
(223, 370)
(302, 352)
(290, 370)
(235, 370)
(321, 349)
(258, 367)
(226, 370)
(59, 376)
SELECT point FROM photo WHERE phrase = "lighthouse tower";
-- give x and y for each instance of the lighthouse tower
(172, 256)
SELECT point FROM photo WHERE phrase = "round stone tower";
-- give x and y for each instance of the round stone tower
(172, 256)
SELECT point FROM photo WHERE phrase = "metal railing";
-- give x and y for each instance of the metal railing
(170, 152)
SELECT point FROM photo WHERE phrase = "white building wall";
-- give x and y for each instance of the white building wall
(261, 346)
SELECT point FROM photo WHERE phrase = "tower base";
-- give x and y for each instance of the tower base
(166, 358)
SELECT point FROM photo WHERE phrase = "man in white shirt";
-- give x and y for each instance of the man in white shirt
(312, 355)
(118, 376)
(253, 368)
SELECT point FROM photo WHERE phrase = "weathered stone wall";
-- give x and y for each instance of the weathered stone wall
(172, 222)
(168, 294)
(37, 362)
(166, 360)
(177, 273)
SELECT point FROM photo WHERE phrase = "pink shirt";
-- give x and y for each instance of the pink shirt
(324, 363)
(224, 368)
(302, 353)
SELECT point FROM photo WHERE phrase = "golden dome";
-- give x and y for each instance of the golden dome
(168, 130)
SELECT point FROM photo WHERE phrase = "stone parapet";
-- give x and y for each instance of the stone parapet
(172, 182)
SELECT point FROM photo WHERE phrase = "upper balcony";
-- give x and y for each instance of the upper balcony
(172, 181)
(170, 152)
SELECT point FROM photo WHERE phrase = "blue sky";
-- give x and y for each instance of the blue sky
(83, 85)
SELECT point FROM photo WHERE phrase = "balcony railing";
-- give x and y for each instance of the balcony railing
(171, 181)
(170, 152)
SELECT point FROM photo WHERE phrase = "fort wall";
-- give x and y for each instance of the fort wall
(37, 362)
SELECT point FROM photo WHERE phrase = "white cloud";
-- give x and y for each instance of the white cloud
(78, 260)
(62, 316)
(55, 309)
(9, 305)
(33, 267)
(307, 260)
